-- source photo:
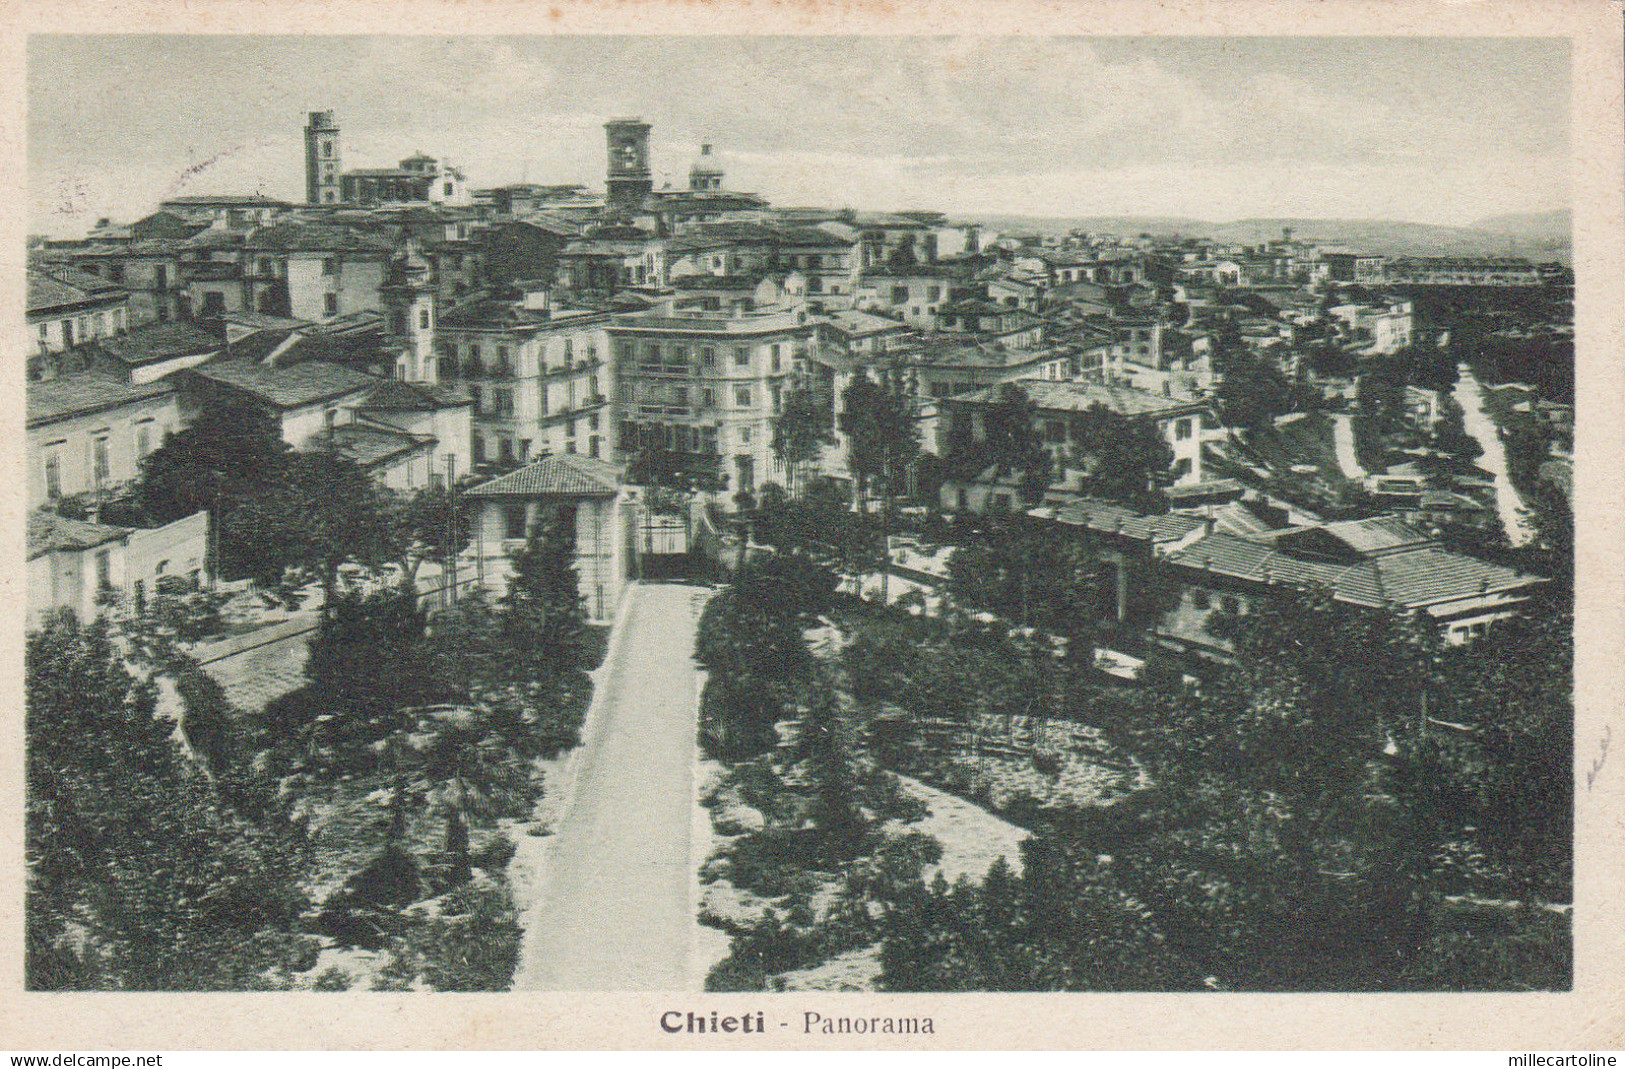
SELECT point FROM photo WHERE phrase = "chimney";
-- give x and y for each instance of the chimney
(705, 150)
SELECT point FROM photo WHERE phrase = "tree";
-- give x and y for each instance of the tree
(465, 766)
(233, 451)
(1253, 392)
(1122, 459)
(799, 430)
(138, 877)
(421, 526)
(335, 513)
(541, 612)
(1013, 444)
(882, 441)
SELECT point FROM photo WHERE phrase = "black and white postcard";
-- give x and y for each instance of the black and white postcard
(725, 525)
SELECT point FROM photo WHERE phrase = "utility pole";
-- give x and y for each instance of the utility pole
(449, 579)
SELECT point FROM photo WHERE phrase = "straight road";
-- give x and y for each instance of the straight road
(616, 911)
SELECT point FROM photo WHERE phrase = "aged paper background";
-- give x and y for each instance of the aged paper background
(1592, 1016)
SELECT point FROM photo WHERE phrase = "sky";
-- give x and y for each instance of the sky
(1431, 130)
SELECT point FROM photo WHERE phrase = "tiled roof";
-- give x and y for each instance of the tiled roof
(314, 237)
(160, 341)
(1111, 518)
(1376, 535)
(366, 443)
(1050, 396)
(568, 473)
(1411, 579)
(250, 200)
(48, 532)
(56, 287)
(85, 392)
(396, 396)
(288, 387)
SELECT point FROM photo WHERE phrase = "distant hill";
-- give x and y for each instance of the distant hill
(1531, 226)
(1538, 236)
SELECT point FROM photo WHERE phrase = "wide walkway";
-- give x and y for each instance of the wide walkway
(1480, 424)
(616, 913)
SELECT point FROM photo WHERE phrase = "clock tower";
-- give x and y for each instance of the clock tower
(628, 178)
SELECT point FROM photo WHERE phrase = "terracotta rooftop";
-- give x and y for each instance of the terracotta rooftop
(393, 395)
(48, 532)
(61, 286)
(1412, 579)
(568, 474)
(1050, 396)
(83, 393)
(288, 387)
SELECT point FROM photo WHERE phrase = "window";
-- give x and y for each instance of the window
(446, 191)
(1182, 467)
(776, 397)
(1054, 431)
(104, 570)
(1201, 599)
(477, 443)
(327, 148)
(899, 295)
(1182, 429)
(775, 352)
(742, 396)
(934, 294)
(513, 521)
(592, 446)
(505, 450)
(682, 396)
(330, 303)
(741, 358)
(100, 466)
(503, 401)
(708, 398)
(423, 319)
(330, 266)
(623, 392)
(592, 422)
(708, 440)
(53, 475)
(744, 434)
(143, 439)
(708, 356)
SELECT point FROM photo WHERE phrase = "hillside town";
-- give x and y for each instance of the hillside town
(1017, 610)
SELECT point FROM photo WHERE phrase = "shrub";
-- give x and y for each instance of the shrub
(332, 978)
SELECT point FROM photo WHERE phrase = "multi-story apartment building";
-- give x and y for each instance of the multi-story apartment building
(88, 432)
(538, 376)
(67, 307)
(313, 272)
(149, 268)
(1464, 271)
(708, 383)
(828, 262)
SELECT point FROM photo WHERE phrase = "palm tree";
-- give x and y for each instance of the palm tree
(464, 768)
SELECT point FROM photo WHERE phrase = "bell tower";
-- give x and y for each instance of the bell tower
(410, 315)
(322, 167)
(628, 179)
